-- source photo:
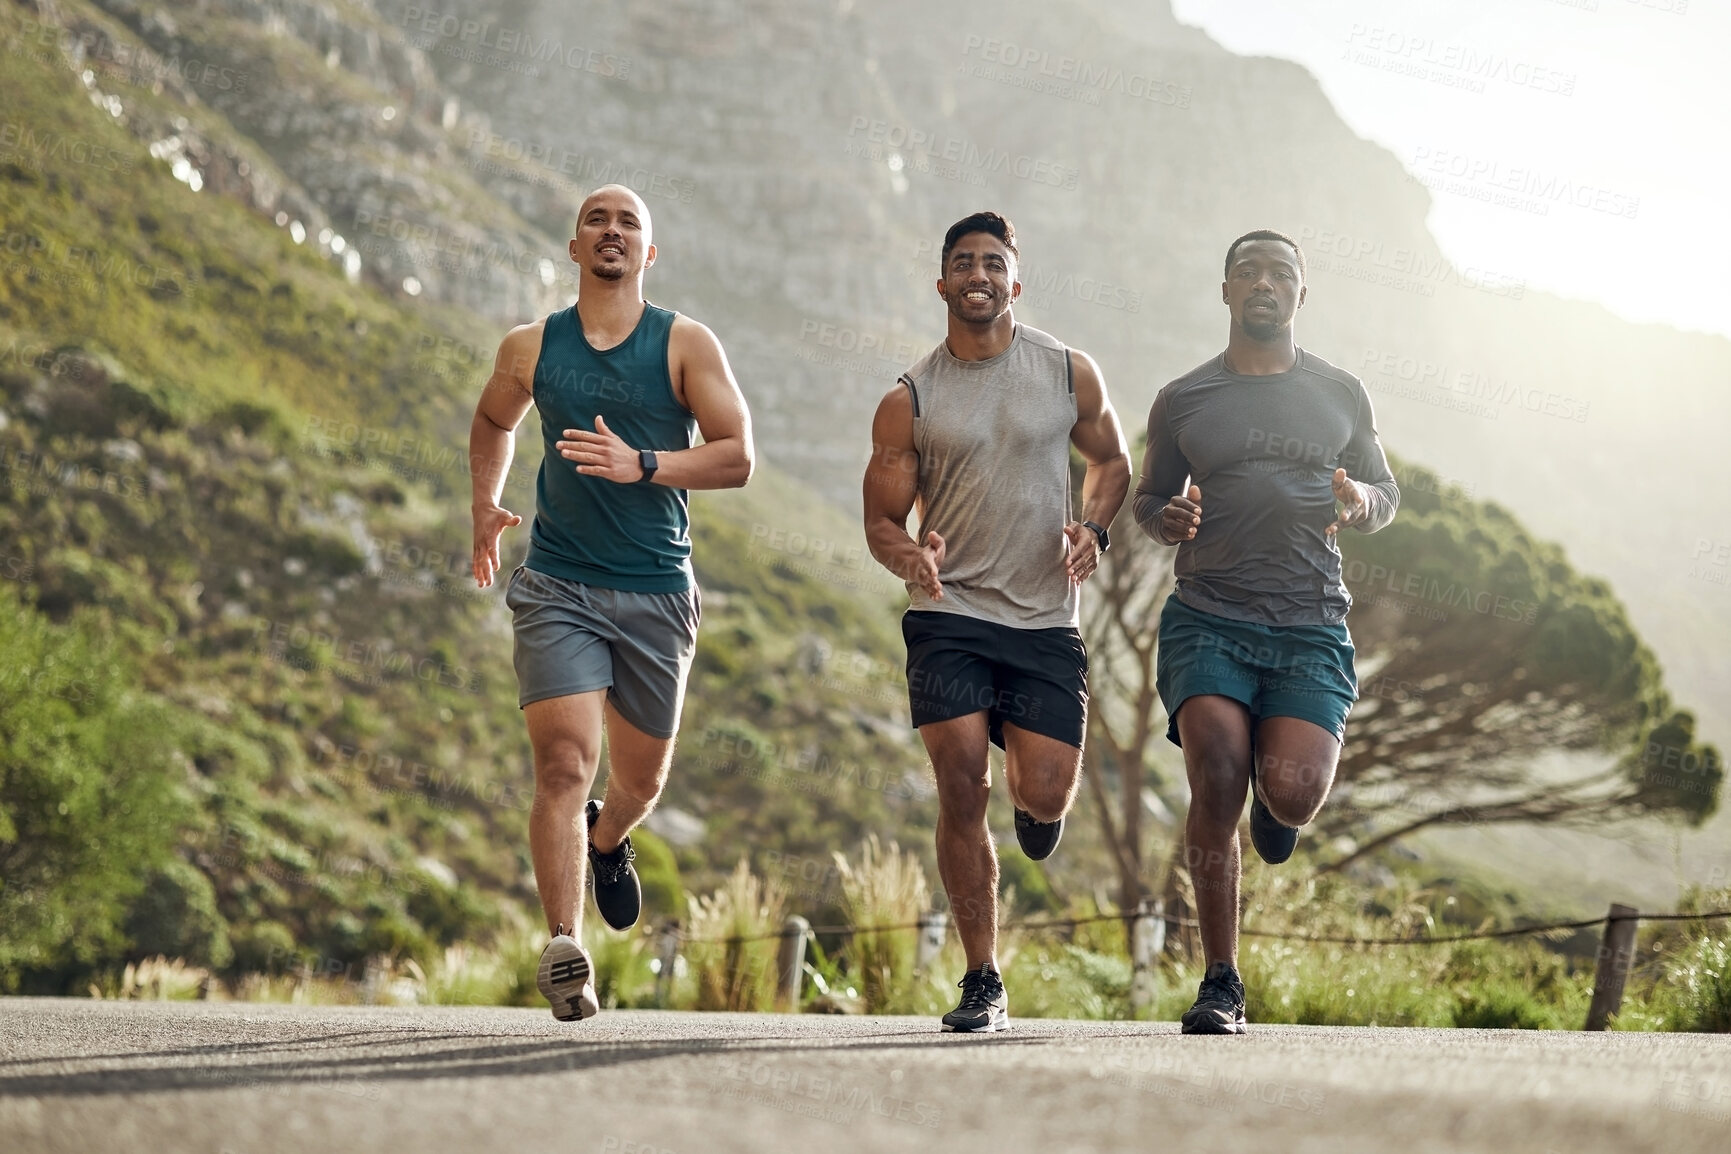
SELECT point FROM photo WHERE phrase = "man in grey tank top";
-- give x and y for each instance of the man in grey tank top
(977, 436)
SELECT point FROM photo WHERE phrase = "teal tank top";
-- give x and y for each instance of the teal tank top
(634, 537)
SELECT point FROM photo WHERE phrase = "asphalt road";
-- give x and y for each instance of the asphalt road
(225, 1077)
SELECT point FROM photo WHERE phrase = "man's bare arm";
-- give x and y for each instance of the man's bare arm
(1100, 439)
(703, 382)
(505, 400)
(891, 484)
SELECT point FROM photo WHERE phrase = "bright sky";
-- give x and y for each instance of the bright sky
(1568, 111)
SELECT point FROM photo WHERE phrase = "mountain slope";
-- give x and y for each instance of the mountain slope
(246, 473)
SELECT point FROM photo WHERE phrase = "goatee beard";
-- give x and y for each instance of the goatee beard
(1263, 330)
(957, 310)
(609, 271)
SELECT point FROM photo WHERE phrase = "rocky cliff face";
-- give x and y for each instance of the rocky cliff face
(366, 139)
(818, 151)
(803, 158)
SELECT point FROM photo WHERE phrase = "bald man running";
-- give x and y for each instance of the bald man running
(604, 608)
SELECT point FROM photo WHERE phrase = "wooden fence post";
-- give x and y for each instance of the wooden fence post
(1147, 939)
(790, 962)
(933, 927)
(669, 961)
(1616, 953)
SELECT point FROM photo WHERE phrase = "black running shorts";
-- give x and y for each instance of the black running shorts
(1035, 679)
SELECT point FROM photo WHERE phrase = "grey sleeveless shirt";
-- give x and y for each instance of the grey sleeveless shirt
(993, 438)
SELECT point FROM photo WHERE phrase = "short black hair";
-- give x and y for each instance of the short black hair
(987, 222)
(1265, 234)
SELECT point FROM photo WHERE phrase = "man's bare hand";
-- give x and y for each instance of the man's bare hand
(926, 566)
(490, 522)
(1084, 557)
(1354, 506)
(1181, 516)
(602, 453)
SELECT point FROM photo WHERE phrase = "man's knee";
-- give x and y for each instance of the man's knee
(962, 795)
(1047, 797)
(565, 766)
(1217, 789)
(1293, 806)
(1293, 789)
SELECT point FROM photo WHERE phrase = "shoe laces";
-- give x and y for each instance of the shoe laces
(611, 866)
(980, 988)
(1222, 984)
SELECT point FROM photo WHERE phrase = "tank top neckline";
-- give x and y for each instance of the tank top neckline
(577, 319)
(975, 366)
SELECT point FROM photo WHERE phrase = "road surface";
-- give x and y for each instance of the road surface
(239, 1078)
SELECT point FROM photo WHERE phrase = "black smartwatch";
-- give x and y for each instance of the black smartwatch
(1100, 533)
(646, 458)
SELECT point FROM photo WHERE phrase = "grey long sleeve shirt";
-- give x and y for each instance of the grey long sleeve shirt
(1263, 450)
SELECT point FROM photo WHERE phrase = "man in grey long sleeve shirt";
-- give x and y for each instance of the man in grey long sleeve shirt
(1248, 456)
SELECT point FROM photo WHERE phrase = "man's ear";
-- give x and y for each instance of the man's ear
(1302, 290)
(1224, 299)
(649, 257)
(941, 295)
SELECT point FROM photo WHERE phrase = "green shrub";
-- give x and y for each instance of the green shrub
(263, 947)
(732, 954)
(1503, 1007)
(176, 917)
(623, 977)
(1705, 973)
(886, 887)
(448, 913)
(1032, 890)
(658, 872)
(90, 800)
(1693, 991)
(1049, 979)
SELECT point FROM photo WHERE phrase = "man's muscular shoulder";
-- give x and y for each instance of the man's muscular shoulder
(520, 351)
(690, 344)
(688, 336)
(1201, 372)
(1351, 388)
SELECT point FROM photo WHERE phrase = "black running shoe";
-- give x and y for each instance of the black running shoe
(1274, 842)
(618, 895)
(565, 978)
(1219, 1007)
(985, 1007)
(1037, 838)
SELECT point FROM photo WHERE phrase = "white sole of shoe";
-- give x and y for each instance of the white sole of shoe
(564, 979)
(1211, 1027)
(992, 1026)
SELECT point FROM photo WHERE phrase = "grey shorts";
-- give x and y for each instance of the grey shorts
(576, 638)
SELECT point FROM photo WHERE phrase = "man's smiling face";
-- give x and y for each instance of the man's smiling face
(979, 282)
(614, 238)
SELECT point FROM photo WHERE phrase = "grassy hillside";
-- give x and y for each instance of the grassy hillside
(238, 477)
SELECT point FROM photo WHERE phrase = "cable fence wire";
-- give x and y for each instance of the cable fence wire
(1279, 935)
